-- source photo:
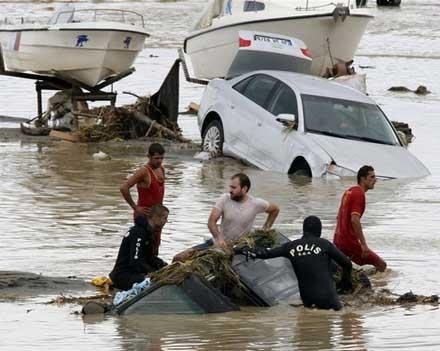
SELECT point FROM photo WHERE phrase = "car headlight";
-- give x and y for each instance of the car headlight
(340, 172)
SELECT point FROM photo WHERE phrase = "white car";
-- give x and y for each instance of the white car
(300, 124)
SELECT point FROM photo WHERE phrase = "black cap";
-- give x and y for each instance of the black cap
(312, 225)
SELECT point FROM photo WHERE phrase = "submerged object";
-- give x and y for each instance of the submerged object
(268, 281)
(194, 296)
(87, 45)
(263, 283)
(331, 31)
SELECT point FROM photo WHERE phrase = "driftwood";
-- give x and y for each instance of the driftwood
(153, 125)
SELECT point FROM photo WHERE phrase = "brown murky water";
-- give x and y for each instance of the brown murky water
(61, 213)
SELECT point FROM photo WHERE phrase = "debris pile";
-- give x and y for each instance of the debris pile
(384, 297)
(404, 130)
(141, 119)
(213, 264)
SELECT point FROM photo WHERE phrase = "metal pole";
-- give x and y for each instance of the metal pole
(39, 99)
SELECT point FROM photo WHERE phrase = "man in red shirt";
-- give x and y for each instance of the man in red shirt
(349, 237)
(150, 184)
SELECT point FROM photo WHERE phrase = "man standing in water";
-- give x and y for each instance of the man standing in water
(238, 211)
(150, 184)
(349, 236)
(311, 258)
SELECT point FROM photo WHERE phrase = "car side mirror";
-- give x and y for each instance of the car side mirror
(288, 120)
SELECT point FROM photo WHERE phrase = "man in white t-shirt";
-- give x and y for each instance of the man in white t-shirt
(237, 211)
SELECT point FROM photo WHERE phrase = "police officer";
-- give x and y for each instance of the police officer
(311, 257)
(137, 255)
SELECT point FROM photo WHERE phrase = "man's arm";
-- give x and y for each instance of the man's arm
(140, 176)
(213, 227)
(272, 211)
(357, 226)
(264, 253)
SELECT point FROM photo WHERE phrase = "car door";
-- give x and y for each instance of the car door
(251, 101)
(274, 140)
(237, 124)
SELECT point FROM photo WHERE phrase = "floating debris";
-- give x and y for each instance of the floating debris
(101, 156)
(81, 300)
(421, 90)
(385, 297)
(213, 263)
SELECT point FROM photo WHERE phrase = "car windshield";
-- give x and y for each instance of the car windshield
(347, 119)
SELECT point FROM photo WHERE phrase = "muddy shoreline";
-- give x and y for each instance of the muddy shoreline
(15, 135)
(16, 286)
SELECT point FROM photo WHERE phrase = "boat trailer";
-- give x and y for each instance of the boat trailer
(59, 83)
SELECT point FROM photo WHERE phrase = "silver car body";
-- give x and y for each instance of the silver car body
(252, 133)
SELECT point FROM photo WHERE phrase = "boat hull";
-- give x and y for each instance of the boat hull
(85, 55)
(330, 41)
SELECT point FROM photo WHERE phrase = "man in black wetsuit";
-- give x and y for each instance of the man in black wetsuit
(311, 257)
(136, 256)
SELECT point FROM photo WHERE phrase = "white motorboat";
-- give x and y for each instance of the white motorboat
(331, 31)
(87, 45)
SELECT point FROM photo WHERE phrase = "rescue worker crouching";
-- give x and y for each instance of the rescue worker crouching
(311, 257)
(137, 255)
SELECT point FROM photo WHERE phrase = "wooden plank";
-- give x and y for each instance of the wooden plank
(72, 137)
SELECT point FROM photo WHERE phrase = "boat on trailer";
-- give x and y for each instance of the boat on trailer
(331, 31)
(86, 45)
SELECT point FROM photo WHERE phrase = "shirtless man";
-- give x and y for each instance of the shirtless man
(349, 236)
(150, 184)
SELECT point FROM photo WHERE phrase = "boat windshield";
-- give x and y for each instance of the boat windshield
(70, 14)
(236, 7)
(223, 8)
(347, 119)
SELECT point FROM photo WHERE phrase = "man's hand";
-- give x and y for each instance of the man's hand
(265, 228)
(221, 243)
(345, 286)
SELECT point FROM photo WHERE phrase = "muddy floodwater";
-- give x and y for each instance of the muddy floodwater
(61, 213)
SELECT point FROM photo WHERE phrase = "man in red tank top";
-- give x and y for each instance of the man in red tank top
(150, 184)
(349, 237)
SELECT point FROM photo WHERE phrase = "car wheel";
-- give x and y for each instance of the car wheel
(213, 138)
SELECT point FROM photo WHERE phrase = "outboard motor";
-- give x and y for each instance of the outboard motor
(341, 12)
